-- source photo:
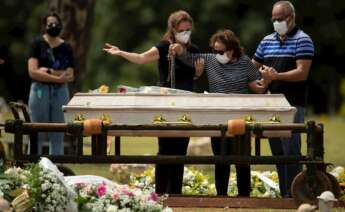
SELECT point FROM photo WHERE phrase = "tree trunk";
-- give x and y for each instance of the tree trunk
(77, 18)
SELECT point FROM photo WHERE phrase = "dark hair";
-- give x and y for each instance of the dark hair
(45, 18)
(229, 39)
(174, 20)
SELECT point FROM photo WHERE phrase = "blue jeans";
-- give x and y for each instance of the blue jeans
(45, 104)
(288, 147)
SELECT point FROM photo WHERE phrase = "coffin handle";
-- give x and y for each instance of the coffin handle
(185, 119)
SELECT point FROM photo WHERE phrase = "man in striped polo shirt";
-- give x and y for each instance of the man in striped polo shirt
(288, 52)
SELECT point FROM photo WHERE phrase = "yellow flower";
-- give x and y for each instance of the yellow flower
(106, 118)
(103, 89)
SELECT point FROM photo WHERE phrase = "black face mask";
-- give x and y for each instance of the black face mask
(53, 30)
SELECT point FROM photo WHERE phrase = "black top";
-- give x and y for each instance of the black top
(57, 58)
(183, 73)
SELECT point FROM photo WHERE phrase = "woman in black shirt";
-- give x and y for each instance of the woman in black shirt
(50, 67)
(168, 177)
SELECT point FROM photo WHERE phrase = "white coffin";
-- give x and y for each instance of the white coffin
(203, 109)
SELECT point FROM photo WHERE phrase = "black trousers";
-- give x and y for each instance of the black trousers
(222, 172)
(169, 177)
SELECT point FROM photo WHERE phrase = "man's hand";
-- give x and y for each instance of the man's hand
(268, 73)
(2, 61)
(110, 49)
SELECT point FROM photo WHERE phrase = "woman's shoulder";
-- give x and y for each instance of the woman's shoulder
(163, 43)
(193, 48)
(244, 58)
(38, 40)
(65, 44)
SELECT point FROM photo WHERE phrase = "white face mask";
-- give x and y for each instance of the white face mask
(222, 58)
(280, 27)
(183, 37)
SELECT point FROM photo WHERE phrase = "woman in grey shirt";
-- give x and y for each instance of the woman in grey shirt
(228, 70)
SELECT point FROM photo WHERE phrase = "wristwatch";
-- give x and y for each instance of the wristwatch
(49, 71)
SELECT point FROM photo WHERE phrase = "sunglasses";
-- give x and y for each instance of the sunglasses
(218, 51)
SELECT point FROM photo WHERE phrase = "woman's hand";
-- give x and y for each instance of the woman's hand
(65, 77)
(199, 67)
(176, 49)
(110, 49)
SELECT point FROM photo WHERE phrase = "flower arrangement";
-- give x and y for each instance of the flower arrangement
(33, 188)
(144, 181)
(339, 174)
(100, 197)
(264, 184)
(194, 182)
(101, 89)
(120, 172)
(41, 187)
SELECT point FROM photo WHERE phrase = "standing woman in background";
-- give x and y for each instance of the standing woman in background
(168, 177)
(50, 66)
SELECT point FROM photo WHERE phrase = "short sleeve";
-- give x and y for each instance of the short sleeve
(305, 48)
(70, 55)
(253, 72)
(163, 48)
(34, 51)
(259, 54)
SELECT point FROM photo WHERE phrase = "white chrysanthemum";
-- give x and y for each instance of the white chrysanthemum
(112, 208)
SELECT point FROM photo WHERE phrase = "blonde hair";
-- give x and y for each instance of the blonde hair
(174, 20)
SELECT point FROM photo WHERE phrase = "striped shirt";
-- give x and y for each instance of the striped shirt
(282, 55)
(226, 78)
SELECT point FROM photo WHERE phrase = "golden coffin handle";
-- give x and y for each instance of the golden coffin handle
(159, 119)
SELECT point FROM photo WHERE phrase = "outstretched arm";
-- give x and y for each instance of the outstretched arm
(142, 58)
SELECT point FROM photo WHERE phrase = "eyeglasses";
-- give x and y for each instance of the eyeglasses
(218, 51)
